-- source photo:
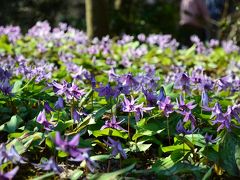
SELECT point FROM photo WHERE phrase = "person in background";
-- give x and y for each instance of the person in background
(194, 20)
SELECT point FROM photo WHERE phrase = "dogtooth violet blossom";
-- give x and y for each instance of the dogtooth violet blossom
(48, 108)
(129, 80)
(166, 106)
(9, 175)
(116, 148)
(182, 82)
(204, 99)
(5, 87)
(59, 103)
(130, 106)
(77, 154)
(49, 165)
(222, 119)
(41, 119)
(83, 155)
(70, 90)
(209, 139)
(112, 123)
(139, 109)
(77, 116)
(10, 155)
(181, 129)
(105, 91)
(182, 106)
(186, 110)
(67, 146)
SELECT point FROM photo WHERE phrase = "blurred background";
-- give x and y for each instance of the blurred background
(116, 17)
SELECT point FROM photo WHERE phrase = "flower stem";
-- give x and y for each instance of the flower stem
(168, 131)
(129, 125)
(109, 165)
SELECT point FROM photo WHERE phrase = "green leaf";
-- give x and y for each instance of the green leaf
(196, 139)
(237, 156)
(98, 114)
(228, 148)
(211, 154)
(76, 174)
(17, 85)
(102, 157)
(167, 167)
(111, 176)
(45, 176)
(139, 147)
(110, 132)
(186, 141)
(62, 154)
(208, 174)
(12, 125)
(149, 129)
(85, 97)
(175, 147)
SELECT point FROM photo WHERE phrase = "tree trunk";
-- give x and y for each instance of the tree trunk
(97, 18)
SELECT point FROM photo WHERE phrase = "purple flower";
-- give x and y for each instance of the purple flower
(181, 129)
(234, 111)
(112, 123)
(83, 155)
(5, 87)
(166, 106)
(224, 83)
(209, 139)
(204, 100)
(9, 175)
(76, 115)
(49, 165)
(14, 156)
(223, 119)
(4, 75)
(10, 155)
(139, 109)
(150, 97)
(162, 95)
(116, 148)
(121, 89)
(59, 103)
(74, 91)
(188, 116)
(216, 110)
(70, 90)
(41, 119)
(105, 91)
(59, 89)
(48, 108)
(185, 107)
(129, 106)
(182, 82)
(68, 146)
(129, 80)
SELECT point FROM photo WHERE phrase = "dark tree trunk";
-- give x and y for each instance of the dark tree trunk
(97, 18)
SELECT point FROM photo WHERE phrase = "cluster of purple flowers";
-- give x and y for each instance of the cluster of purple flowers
(5, 86)
(77, 154)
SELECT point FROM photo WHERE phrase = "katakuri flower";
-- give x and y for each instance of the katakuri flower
(9, 175)
(41, 119)
(112, 123)
(166, 106)
(67, 146)
(49, 165)
(116, 148)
